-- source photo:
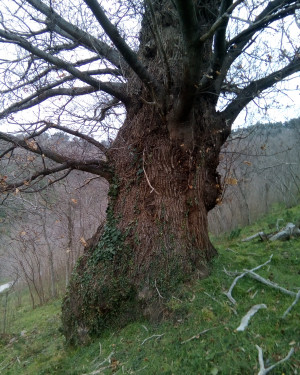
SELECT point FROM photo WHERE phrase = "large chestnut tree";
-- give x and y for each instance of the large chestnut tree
(178, 73)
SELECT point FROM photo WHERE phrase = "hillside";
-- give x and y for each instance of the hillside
(44, 233)
(198, 334)
(260, 166)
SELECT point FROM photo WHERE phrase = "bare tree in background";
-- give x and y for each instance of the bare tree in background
(259, 167)
(36, 241)
(73, 67)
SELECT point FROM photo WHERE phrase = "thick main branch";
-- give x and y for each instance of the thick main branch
(61, 64)
(256, 87)
(95, 166)
(274, 11)
(77, 34)
(128, 54)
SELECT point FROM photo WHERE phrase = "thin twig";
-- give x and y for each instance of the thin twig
(213, 298)
(108, 359)
(228, 249)
(151, 337)
(145, 328)
(160, 296)
(147, 179)
(198, 335)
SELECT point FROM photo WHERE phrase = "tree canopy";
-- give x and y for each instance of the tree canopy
(66, 65)
(166, 79)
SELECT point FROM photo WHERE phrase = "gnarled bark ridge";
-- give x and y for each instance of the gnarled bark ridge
(165, 181)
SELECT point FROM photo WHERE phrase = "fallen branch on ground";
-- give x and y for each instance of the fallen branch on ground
(151, 337)
(213, 298)
(292, 305)
(290, 230)
(198, 335)
(263, 370)
(269, 282)
(286, 233)
(108, 359)
(245, 320)
(262, 236)
(228, 294)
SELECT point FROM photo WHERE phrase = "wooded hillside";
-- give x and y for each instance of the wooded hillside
(44, 233)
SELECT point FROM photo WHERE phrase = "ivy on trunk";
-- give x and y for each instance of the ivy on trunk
(162, 166)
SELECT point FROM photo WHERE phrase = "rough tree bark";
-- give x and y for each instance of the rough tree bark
(162, 167)
(164, 182)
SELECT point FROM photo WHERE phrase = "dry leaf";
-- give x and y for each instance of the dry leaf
(83, 241)
(231, 181)
(219, 201)
(31, 144)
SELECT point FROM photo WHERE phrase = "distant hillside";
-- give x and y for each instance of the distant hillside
(43, 234)
(260, 166)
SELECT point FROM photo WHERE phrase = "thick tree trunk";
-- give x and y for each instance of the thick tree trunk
(156, 231)
(164, 159)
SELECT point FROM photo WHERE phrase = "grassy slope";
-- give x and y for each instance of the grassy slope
(221, 350)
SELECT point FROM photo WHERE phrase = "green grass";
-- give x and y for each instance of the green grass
(194, 308)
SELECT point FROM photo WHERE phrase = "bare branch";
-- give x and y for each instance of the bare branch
(76, 34)
(127, 53)
(275, 10)
(152, 337)
(269, 283)
(256, 87)
(98, 167)
(77, 134)
(188, 20)
(221, 22)
(38, 77)
(198, 335)
(269, 15)
(61, 64)
(26, 183)
(40, 96)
